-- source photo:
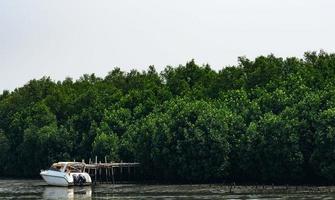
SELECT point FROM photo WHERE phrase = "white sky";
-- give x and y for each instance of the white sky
(60, 38)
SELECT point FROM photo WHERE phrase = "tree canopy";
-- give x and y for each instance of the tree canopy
(267, 120)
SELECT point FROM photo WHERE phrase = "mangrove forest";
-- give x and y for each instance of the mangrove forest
(265, 120)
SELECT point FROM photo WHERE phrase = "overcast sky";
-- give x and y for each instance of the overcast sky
(67, 38)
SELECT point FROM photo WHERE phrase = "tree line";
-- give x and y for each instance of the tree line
(267, 120)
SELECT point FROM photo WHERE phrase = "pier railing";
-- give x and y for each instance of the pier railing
(111, 172)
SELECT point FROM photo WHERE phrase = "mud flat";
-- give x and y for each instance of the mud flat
(37, 189)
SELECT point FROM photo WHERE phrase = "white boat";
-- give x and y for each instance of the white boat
(66, 174)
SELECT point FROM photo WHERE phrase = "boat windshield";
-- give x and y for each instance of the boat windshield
(74, 167)
(56, 167)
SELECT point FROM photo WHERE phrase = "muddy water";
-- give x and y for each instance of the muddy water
(37, 189)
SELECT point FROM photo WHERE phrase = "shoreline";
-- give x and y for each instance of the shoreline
(225, 186)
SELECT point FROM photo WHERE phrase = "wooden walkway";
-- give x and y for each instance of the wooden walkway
(111, 172)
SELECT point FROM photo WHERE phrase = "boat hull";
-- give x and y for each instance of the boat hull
(64, 179)
(55, 180)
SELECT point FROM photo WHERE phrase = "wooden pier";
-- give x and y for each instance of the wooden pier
(111, 172)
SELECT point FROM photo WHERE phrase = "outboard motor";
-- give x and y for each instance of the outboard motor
(75, 179)
(81, 179)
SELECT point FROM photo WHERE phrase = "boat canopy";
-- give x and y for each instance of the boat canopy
(68, 166)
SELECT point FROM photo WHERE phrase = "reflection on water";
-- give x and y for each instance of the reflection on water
(67, 192)
(37, 189)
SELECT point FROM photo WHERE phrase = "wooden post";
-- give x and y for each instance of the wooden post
(113, 180)
(128, 172)
(121, 166)
(106, 169)
(95, 175)
(100, 172)
(107, 174)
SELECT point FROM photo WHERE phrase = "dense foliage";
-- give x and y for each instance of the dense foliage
(268, 120)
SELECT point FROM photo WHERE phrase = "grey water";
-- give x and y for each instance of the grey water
(37, 189)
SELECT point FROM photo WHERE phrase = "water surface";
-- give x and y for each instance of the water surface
(37, 189)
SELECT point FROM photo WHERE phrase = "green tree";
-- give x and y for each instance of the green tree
(106, 143)
(4, 151)
(178, 141)
(271, 148)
